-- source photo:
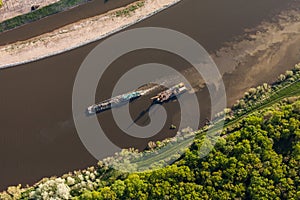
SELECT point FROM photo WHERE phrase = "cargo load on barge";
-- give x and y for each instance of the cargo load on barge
(170, 93)
(114, 102)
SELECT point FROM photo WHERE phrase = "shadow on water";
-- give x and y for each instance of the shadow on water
(141, 115)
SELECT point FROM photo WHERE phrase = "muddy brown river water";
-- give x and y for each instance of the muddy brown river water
(37, 133)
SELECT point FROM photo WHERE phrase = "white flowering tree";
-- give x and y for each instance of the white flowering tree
(53, 189)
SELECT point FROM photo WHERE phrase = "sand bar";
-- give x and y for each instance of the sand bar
(77, 34)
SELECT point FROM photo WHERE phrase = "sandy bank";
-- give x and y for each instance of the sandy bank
(77, 34)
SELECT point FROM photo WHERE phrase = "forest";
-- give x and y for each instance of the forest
(258, 160)
(256, 157)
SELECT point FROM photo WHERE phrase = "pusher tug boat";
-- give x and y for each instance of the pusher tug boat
(170, 93)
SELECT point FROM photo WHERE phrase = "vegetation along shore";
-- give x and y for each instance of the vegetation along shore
(15, 14)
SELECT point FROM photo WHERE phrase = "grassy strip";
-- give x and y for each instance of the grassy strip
(39, 14)
(130, 9)
(292, 89)
(167, 153)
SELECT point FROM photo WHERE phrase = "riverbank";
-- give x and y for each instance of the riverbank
(12, 9)
(52, 22)
(79, 33)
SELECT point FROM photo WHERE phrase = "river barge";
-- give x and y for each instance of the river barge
(114, 102)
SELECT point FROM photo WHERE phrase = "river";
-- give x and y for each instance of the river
(38, 137)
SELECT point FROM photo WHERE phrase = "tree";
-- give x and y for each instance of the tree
(119, 187)
(136, 188)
